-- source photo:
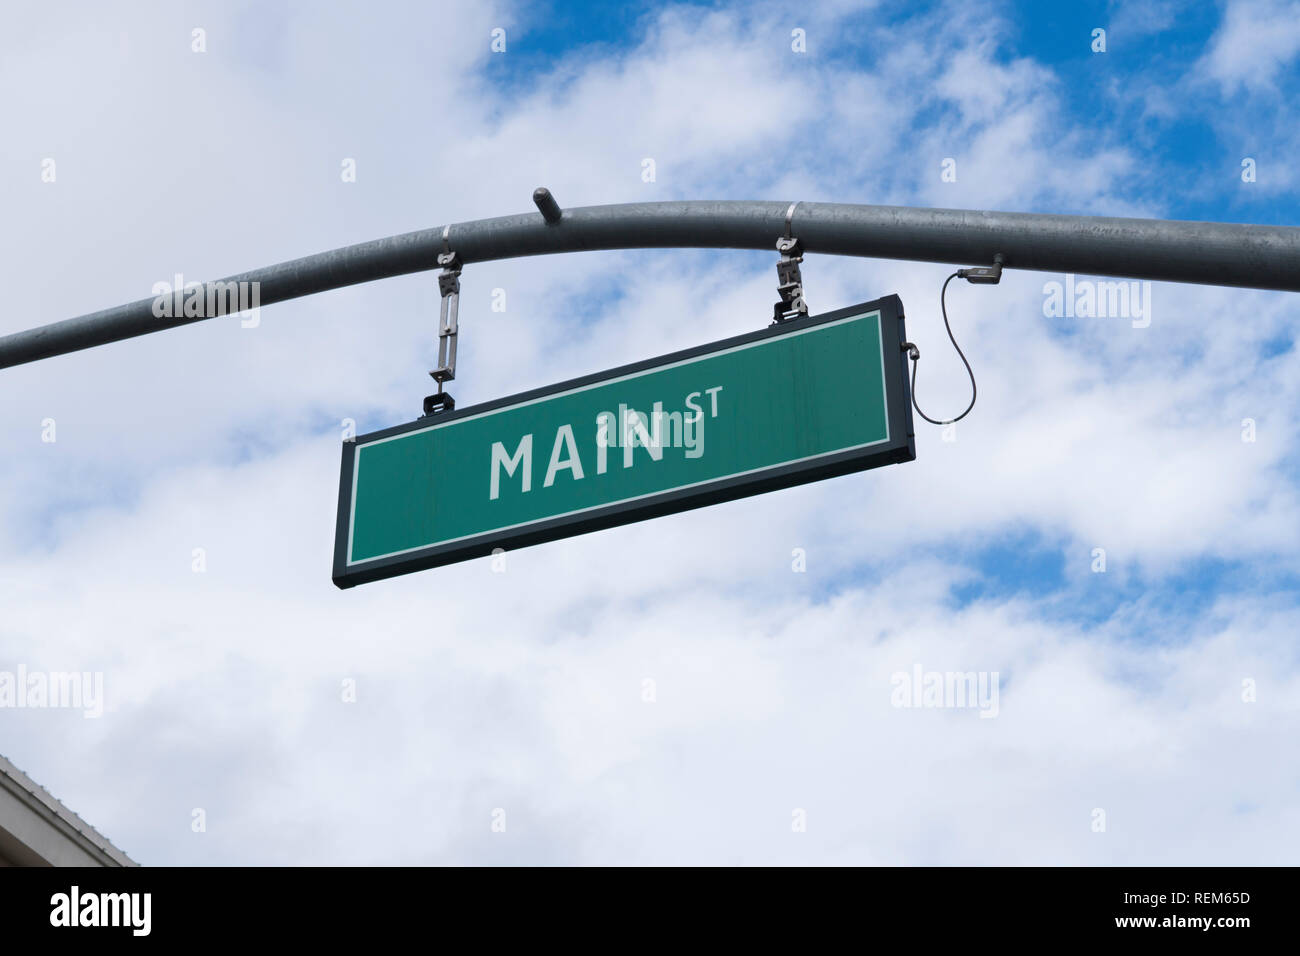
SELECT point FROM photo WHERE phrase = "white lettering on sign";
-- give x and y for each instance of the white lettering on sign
(629, 429)
(563, 437)
(523, 454)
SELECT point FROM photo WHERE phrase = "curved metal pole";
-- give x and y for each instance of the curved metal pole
(1261, 257)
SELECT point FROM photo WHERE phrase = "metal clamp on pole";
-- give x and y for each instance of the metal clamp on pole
(449, 287)
(789, 279)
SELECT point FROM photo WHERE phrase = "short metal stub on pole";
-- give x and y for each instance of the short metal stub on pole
(547, 206)
(789, 279)
(448, 328)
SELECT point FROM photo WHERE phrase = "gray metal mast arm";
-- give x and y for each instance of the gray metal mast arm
(1260, 257)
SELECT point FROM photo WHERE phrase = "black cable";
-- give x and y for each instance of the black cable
(915, 355)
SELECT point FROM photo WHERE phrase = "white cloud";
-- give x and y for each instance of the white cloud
(1257, 39)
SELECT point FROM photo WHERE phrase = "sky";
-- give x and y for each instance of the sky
(1109, 539)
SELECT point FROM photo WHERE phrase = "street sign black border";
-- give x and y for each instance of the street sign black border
(901, 447)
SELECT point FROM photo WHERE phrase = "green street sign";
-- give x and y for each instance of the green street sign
(804, 400)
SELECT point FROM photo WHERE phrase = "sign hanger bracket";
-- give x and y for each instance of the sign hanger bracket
(448, 328)
(789, 278)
